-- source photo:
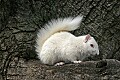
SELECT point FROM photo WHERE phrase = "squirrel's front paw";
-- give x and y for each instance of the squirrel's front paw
(77, 61)
(59, 64)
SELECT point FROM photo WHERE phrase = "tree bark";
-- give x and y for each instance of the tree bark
(21, 19)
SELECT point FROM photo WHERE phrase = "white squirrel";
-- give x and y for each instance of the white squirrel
(55, 45)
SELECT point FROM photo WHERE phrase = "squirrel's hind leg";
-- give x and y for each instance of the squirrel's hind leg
(59, 64)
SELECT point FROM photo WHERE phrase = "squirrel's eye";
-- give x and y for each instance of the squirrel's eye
(92, 45)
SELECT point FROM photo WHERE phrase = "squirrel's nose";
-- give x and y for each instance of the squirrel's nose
(98, 52)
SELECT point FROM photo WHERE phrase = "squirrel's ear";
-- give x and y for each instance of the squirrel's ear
(87, 37)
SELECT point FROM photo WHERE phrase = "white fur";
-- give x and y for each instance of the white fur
(55, 44)
(66, 24)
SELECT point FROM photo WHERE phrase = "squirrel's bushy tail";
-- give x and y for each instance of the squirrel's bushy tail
(66, 24)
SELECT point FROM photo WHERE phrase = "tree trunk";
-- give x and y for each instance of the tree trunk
(21, 19)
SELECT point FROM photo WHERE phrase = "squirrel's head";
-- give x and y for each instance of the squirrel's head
(91, 45)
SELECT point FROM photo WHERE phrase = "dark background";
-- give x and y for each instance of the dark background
(21, 19)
